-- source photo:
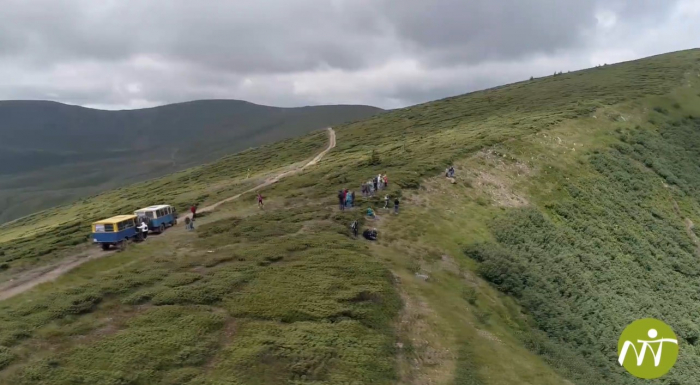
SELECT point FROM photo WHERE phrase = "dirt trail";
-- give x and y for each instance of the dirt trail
(34, 277)
(278, 177)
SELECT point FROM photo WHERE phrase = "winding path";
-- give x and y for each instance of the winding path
(37, 276)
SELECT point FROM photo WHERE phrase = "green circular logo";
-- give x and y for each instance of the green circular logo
(647, 348)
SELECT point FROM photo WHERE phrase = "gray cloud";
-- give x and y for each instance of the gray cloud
(391, 53)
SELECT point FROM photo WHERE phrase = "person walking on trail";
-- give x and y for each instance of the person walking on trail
(193, 209)
(375, 182)
(386, 181)
(386, 202)
(144, 229)
(189, 224)
(341, 201)
(352, 199)
(396, 205)
(355, 228)
(260, 201)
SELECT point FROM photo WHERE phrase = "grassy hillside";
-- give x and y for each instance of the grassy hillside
(572, 215)
(52, 153)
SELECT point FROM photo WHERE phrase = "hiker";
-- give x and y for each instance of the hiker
(386, 181)
(386, 202)
(348, 200)
(352, 199)
(144, 229)
(452, 171)
(370, 235)
(396, 205)
(341, 202)
(375, 182)
(370, 212)
(189, 224)
(379, 181)
(355, 227)
(362, 190)
(193, 209)
(260, 201)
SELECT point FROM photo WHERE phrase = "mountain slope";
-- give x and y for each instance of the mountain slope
(51, 153)
(571, 216)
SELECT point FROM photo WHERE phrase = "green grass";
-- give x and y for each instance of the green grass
(302, 306)
(557, 233)
(49, 232)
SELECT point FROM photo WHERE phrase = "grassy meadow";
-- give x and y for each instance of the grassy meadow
(571, 216)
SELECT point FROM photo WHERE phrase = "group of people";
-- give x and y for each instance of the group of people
(346, 199)
(369, 234)
(377, 183)
(387, 201)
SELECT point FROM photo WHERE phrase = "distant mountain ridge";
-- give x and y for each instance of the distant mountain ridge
(51, 152)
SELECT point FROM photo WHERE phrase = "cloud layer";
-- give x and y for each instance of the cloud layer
(390, 53)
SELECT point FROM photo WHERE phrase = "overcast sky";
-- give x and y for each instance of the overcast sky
(389, 53)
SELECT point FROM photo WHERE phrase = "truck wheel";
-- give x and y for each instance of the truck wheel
(139, 236)
(105, 246)
(121, 245)
(161, 228)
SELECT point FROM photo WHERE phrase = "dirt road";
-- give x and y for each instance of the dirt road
(34, 277)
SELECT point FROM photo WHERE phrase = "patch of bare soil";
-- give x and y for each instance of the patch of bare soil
(499, 178)
(449, 264)
(422, 360)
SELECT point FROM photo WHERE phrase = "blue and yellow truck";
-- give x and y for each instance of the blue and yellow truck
(116, 231)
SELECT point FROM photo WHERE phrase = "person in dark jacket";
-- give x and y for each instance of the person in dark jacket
(370, 235)
(396, 206)
(341, 200)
